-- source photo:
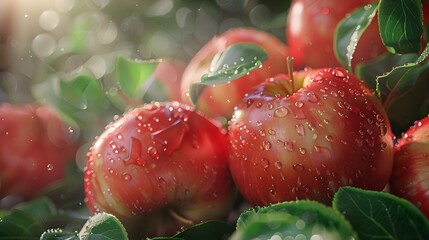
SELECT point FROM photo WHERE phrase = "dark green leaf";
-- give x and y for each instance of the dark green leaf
(20, 225)
(41, 207)
(401, 25)
(135, 76)
(379, 215)
(57, 234)
(401, 88)
(348, 32)
(236, 61)
(369, 71)
(195, 91)
(424, 55)
(310, 214)
(81, 101)
(103, 226)
(210, 230)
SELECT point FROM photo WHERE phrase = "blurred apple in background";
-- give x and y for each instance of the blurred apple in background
(36, 148)
(220, 100)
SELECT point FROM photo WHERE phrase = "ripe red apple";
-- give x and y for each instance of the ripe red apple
(36, 146)
(305, 141)
(220, 100)
(310, 30)
(158, 168)
(166, 81)
(410, 175)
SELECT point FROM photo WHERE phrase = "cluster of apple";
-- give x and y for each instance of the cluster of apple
(275, 134)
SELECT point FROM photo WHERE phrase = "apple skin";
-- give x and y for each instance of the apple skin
(159, 168)
(37, 146)
(310, 31)
(220, 100)
(305, 144)
(410, 175)
(167, 79)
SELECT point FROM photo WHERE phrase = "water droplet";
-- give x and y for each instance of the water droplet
(272, 132)
(383, 129)
(161, 180)
(299, 104)
(278, 165)
(312, 97)
(249, 102)
(280, 112)
(338, 73)
(333, 84)
(258, 123)
(300, 129)
(153, 153)
(329, 138)
(50, 167)
(266, 145)
(126, 177)
(265, 163)
(298, 167)
(302, 150)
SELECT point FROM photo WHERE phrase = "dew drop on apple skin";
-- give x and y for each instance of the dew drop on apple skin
(298, 167)
(281, 112)
(126, 177)
(300, 129)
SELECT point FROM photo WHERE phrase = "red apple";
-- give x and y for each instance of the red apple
(166, 81)
(310, 30)
(158, 168)
(220, 100)
(410, 175)
(36, 147)
(306, 141)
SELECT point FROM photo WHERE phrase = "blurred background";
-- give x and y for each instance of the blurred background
(45, 37)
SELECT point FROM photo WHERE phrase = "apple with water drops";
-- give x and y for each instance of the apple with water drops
(410, 175)
(159, 168)
(218, 101)
(304, 137)
(310, 33)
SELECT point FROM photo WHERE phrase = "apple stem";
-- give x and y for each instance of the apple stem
(290, 72)
(179, 217)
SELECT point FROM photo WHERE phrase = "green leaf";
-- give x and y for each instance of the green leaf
(210, 230)
(20, 225)
(424, 55)
(41, 207)
(58, 234)
(103, 226)
(401, 27)
(236, 61)
(135, 76)
(309, 215)
(81, 101)
(348, 32)
(195, 91)
(401, 88)
(379, 215)
(369, 71)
